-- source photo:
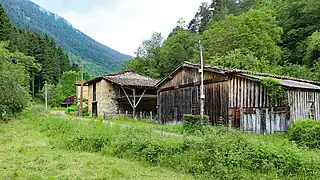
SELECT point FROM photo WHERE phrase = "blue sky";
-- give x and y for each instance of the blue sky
(123, 24)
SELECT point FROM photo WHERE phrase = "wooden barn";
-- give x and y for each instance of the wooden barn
(120, 93)
(236, 98)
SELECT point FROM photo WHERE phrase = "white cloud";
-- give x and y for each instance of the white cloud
(124, 24)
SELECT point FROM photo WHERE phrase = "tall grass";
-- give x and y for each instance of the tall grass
(215, 153)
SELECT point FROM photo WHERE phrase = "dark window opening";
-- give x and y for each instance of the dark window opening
(94, 92)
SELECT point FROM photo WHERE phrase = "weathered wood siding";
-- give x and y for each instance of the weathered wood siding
(181, 95)
(246, 93)
(251, 110)
(264, 120)
(173, 104)
(304, 104)
(187, 76)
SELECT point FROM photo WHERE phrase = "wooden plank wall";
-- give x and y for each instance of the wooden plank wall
(301, 101)
(216, 102)
(174, 104)
(250, 108)
(264, 120)
(189, 75)
(247, 93)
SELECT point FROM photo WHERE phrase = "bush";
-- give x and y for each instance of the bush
(193, 123)
(72, 108)
(306, 133)
(215, 153)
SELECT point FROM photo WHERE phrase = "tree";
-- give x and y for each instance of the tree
(256, 31)
(5, 25)
(299, 19)
(217, 10)
(14, 80)
(245, 60)
(147, 59)
(200, 21)
(313, 49)
(176, 49)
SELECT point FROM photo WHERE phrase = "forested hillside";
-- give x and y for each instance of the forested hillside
(271, 36)
(100, 59)
(27, 61)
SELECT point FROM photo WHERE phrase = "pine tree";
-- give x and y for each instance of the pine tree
(5, 25)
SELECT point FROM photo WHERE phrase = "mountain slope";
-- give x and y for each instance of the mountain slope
(100, 58)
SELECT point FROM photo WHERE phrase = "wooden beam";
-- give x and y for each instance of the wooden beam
(127, 97)
(141, 97)
(134, 103)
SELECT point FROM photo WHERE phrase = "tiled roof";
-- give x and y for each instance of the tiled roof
(127, 78)
(132, 82)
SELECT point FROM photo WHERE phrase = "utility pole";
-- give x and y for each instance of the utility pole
(46, 94)
(81, 91)
(202, 96)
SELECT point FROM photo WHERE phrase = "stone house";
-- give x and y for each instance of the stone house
(122, 92)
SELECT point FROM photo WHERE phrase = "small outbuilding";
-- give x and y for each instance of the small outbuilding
(126, 92)
(236, 98)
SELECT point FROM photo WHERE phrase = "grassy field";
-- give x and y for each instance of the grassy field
(40, 146)
(25, 153)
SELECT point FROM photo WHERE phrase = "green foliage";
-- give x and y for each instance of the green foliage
(305, 133)
(72, 108)
(66, 88)
(313, 49)
(180, 47)
(299, 19)
(50, 61)
(71, 39)
(243, 59)
(147, 59)
(5, 25)
(274, 89)
(194, 123)
(216, 153)
(14, 80)
(256, 30)
(20, 144)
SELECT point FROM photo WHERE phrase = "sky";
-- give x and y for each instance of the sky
(123, 24)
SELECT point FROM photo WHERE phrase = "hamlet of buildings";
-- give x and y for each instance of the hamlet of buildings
(233, 98)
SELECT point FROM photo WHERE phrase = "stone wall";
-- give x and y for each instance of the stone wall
(105, 94)
(106, 97)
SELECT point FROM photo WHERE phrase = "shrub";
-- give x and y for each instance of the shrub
(72, 108)
(215, 153)
(306, 133)
(193, 123)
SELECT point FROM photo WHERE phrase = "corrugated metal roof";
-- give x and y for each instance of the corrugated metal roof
(287, 82)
